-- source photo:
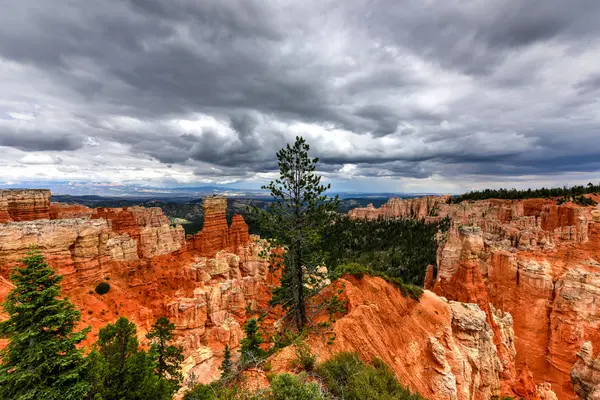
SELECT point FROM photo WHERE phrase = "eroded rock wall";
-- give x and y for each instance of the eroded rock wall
(537, 261)
(24, 204)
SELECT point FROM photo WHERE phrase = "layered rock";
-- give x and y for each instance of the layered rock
(24, 204)
(216, 234)
(418, 207)
(77, 248)
(148, 226)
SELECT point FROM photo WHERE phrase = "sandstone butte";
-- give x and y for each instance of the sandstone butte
(539, 263)
(209, 284)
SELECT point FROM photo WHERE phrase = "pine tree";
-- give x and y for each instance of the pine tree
(250, 349)
(169, 357)
(227, 364)
(120, 370)
(295, 221)
(41, 360)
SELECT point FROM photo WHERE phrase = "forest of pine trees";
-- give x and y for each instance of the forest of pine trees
(573, 193)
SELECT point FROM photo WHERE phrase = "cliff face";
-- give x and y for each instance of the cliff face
(537, 261)
(151, 270)
(24, 204)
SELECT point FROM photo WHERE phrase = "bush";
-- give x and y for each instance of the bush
(292, 387)
(102, 288)
(304, 359)
(347, 376)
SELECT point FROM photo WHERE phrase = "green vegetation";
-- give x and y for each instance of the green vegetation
(121, 370)
(250, 350)
(294, 387)
(304, 357)
(41, 360)
(168, 356)
(392, 248)
(102, 288)
(359, 271)
(227, 364)
(295, 221)
(348, 377)
(514, 194)
(345, 376)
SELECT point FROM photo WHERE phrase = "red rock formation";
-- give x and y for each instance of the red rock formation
(24, 204)
(69, 211)
(151, 274)
(536, 261)
(444, 350)
(238, 232)
(148, 226)
(418, 207)
(215, 234)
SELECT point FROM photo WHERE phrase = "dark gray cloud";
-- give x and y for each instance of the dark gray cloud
(209, 90)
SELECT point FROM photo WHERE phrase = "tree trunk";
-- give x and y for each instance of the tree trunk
(300, 311)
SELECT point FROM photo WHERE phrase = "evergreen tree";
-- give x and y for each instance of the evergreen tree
(227, 364)
(250, 345)
(169, 357)
(295, 221)
(120, 370)
(41, 360)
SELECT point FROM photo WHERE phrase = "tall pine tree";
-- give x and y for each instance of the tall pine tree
(169, 357)
(295, 221)
(41, 360)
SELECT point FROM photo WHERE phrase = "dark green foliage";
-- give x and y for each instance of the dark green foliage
(169, 357)
(348, 377)
(295, 220)
(398, 248)
(227, 364)
(294, 387)
(41, 360)
(514, 194)
(359, 271)
(250, 350)
(120, 370)
(102, 288)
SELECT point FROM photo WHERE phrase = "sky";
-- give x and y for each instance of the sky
(440, 96)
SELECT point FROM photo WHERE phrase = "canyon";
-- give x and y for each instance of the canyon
(533, 259)
(510, 309)
(206, 285)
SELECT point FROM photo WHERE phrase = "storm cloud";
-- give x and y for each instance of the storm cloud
(414, 95)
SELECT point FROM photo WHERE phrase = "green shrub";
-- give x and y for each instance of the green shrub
(347, 376)
(102, 288)
(292, 387)
(304, 359)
